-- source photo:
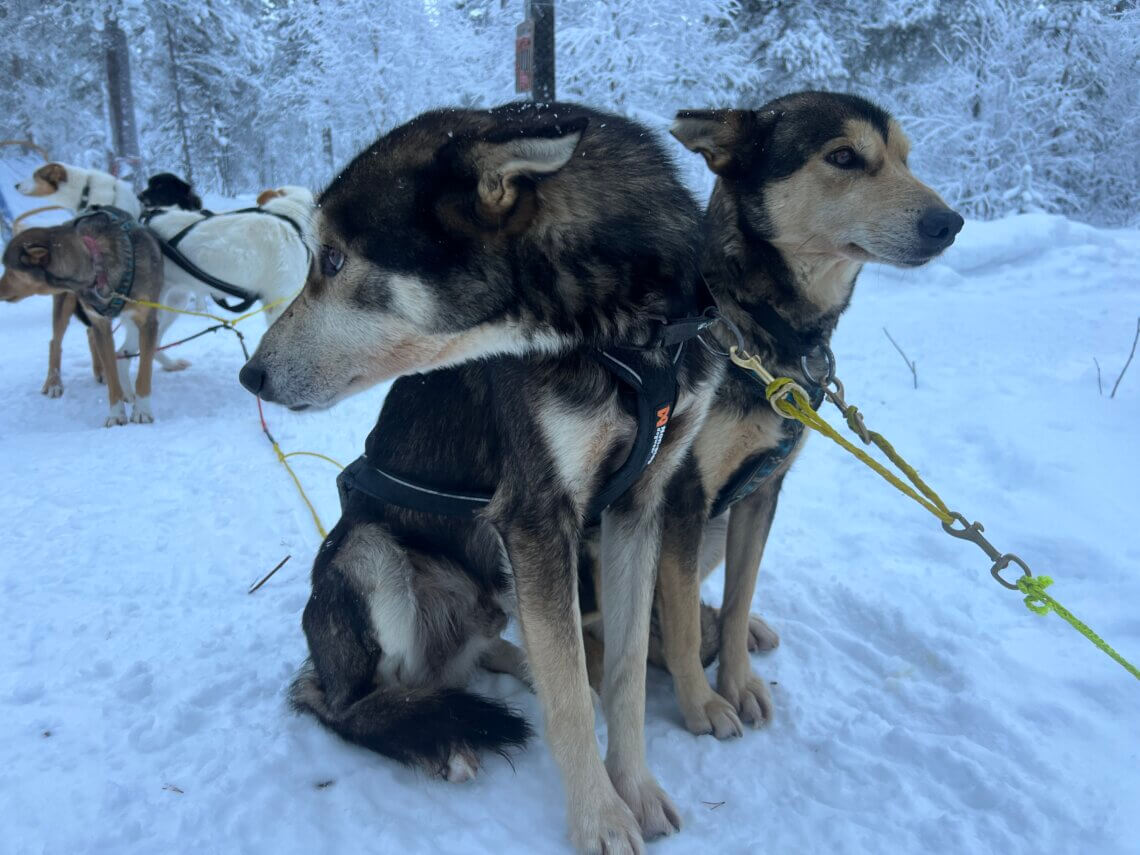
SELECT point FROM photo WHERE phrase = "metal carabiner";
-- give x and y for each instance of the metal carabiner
(973, 533)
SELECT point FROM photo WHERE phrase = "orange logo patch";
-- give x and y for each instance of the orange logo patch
(663, 416)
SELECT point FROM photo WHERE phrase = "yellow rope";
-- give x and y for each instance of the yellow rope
(229, 322)
(282, 457)
(318, 455)
(790, 400)
(1036, 600)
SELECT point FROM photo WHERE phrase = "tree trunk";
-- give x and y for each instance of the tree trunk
(179, 110)
(126, 162)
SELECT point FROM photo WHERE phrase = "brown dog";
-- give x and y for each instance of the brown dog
(106, 261)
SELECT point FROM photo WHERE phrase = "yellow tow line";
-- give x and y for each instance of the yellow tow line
(790, 400)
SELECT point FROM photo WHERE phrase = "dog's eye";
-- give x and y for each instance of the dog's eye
(332, 260)
(844, 158)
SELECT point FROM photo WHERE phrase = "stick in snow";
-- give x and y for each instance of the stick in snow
(909, 364)
(265, 579)
(1129, 362)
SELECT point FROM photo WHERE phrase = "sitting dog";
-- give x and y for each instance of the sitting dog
(167, 190)
(810, 187)
(542, 235)
(103, 258)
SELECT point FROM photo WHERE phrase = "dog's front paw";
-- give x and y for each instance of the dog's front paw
(761, 637)
(654, 811)
(53, 386)
(140, 412)
(748, 695)
(117, 415)
(607, 829)
(175, 364)
(711, 714)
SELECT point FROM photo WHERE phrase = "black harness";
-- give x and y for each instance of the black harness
(171, 251)
(790, 344)
(108, 301)
(655, 390)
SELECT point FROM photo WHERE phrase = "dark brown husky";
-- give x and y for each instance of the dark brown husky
(515, 245)
(809, 188)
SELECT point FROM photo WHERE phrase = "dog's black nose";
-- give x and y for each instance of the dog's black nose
(938, 226)
(252, 377)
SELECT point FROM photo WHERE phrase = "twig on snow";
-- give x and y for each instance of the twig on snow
(909, 364)
(265, 579)
(1099, 387)
(1129, 362)
(713, 805)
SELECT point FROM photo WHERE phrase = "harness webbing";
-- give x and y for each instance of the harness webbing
(171, 251)
(655, 388)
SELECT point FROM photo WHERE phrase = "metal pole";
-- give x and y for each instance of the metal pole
(542, 13)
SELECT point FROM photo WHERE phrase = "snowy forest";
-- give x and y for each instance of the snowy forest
(1013, 105)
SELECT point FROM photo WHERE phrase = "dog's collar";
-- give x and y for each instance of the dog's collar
(791, 345)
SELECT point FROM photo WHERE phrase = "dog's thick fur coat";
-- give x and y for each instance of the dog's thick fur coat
(809, 188)
(535, 234)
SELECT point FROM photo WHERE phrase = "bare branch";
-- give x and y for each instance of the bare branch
(909, 364)
(1099, 387)
(1132, 353)
(265, 579)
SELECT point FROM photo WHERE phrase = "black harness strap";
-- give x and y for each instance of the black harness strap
(110, 303)
(748, 478)
(171, 251)
(362, 475)
(655, 387)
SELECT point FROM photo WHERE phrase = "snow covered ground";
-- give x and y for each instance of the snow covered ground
(920, 707)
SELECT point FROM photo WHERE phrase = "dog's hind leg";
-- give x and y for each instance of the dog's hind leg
(122, 357)
(177, 300)
(148, 341)
(105, 345)
(97, 367)
(748, 528)
(62, 308)
(631, 532)
(502, 657)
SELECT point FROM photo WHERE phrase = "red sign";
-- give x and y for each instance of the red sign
(524, 56)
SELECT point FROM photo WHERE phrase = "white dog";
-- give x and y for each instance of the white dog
(78, 189)
(261, 250)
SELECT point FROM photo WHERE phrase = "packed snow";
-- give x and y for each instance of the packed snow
(919, 706)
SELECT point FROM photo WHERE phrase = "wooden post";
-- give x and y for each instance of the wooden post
(124, 130)
(534, 51)
(542, 13)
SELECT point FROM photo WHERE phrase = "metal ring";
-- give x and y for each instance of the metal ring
(828, 356)
(1005, 561)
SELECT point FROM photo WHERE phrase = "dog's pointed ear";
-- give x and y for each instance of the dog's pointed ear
(502, 161)
(35, 255)
(727, 139)
(265, 196)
